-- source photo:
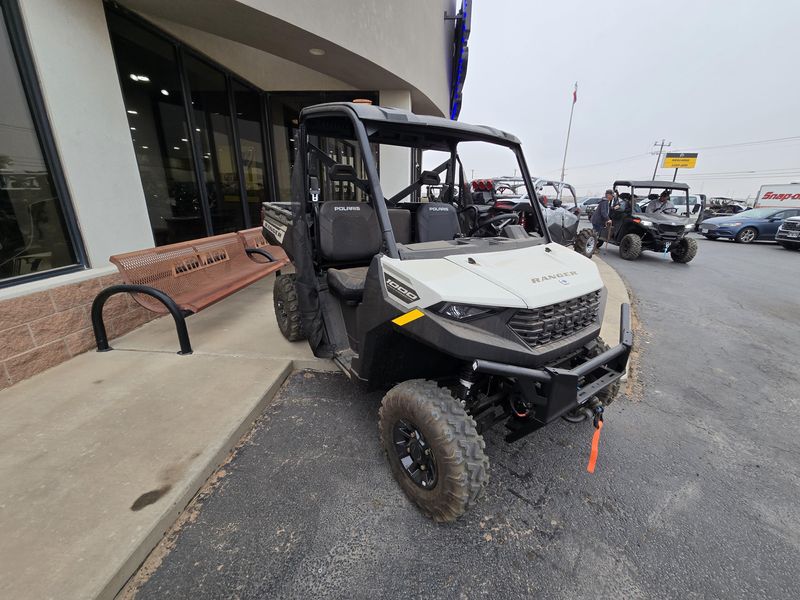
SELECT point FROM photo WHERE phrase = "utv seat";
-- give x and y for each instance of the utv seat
(349, 236)
(401, 224)
(437, 221)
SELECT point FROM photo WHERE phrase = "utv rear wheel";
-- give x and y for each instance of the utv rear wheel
(433, 449)
(630, 248)
(586, 242)
(684, 250)
(287, 308)
(746, 235)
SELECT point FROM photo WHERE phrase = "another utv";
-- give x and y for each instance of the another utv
(636, 229)
(500, 196)
(464, 332)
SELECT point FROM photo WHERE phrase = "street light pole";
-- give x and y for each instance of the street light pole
(661, 145)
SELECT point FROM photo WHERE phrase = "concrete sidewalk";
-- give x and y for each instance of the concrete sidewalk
(99, 455)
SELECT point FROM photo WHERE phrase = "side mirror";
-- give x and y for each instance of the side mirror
(429, 178)
(342, 173)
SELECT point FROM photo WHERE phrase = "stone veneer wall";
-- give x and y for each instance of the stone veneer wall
(43, 329)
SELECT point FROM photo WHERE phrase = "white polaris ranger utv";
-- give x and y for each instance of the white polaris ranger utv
(464, 332)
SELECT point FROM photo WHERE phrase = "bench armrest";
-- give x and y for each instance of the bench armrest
(260, 252)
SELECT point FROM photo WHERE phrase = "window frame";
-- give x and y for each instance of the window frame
(23, 58)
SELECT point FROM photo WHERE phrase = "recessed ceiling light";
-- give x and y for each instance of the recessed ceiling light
(165, 92)
(316, 51)
(145, 147)
(144, 78)
(133, 128)
(184, 140)
(197, 129)
(132, 112)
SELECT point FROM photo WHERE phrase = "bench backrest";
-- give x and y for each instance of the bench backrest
(183, 268)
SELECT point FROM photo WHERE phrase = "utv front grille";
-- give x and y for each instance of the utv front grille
(671, 229)
(791, 226)
(547, 324)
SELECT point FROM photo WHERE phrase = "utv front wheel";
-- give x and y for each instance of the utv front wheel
(684, 250)
(433, 448)
(630, 247)
(586, 242)
(287, 308)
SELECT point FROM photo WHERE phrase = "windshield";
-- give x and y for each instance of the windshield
(760, 213)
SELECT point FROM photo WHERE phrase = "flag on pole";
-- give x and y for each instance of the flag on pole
(575, 93)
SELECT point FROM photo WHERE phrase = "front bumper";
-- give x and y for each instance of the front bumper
(719, 231)
(554, 392)
(784, 235)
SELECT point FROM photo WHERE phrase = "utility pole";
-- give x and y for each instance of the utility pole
(661, 145)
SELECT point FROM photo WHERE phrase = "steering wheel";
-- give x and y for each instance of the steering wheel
(670, 211)
(496, 223)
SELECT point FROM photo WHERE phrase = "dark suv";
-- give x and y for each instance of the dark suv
(788, 234)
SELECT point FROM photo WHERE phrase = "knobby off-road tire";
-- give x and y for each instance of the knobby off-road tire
(462, 468)
(630, 248)
(746, 235)
(287, 308)
(684, 250)
(586, 242)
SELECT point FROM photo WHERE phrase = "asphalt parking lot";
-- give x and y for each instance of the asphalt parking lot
(694, 496)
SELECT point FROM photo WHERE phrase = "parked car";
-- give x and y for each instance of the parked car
(588, 205)
(747, 226)
(788, 234)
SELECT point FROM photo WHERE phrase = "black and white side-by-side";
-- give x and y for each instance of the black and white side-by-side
(466, 326)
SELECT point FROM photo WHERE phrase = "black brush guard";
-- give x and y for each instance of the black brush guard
(553, 392)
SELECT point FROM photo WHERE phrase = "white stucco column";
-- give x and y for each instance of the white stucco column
(78, 76)
(395, 162)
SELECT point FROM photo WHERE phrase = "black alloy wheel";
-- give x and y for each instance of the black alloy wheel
(414, 454)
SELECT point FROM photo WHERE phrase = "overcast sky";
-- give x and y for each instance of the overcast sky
(699, 73)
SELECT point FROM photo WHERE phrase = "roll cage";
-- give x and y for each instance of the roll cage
(370, 125)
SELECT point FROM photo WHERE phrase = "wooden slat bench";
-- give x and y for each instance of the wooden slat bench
(184, 278)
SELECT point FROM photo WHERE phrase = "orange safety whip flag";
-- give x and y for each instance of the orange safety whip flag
(595, 444)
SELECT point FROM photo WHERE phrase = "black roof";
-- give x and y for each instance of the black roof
(669, 185)
(369, 112)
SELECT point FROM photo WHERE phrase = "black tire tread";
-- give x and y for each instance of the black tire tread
(292, 327)
(684, 254)
(632, 249)
(463, 467)
(582, 239)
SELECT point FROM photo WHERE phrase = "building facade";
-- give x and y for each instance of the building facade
(129, 124)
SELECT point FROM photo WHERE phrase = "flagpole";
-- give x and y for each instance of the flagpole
(569, 129)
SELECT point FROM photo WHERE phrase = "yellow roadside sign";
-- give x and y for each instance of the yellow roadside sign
(679, 160)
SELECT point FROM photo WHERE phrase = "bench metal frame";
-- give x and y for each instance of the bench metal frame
(178, 314)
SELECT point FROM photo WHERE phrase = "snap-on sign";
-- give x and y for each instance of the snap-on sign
(773, 196)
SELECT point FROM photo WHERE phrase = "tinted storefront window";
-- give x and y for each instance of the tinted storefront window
(284, 108)
(148, 72)
(251, 148)
(34, 236)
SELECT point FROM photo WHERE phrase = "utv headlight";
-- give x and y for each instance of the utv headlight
(643, 222)
(463, 312)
